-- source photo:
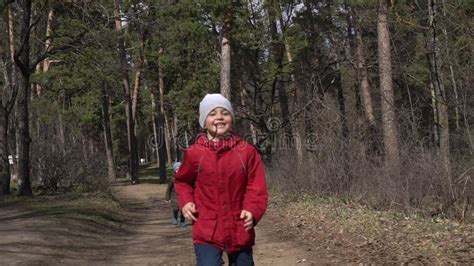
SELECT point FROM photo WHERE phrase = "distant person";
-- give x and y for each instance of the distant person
(178, 218)
(221, 187)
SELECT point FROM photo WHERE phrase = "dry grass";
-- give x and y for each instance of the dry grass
(356, 234)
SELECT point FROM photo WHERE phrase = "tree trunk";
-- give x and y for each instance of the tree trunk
(364, 80)
(162, 149)
(440, 102)
(155, 131)
(22, 60)
(389, 123)
(11, 39)
(138, 76)
(456, 99)
(159, 139)
(61, 125)
(297, 125)
(132, 141)
(226, 51)
(161, 83)
(8, 95)
(451, 71)
(337, 82)
(11, 44)
(85, 155)
(107, 136)
(278, 51)
(176, 137)
(24, 137)
(364, 95)
(49, 34)
(4, 163)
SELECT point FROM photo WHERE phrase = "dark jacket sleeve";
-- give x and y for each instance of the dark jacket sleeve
(184, 180)
(256, 195)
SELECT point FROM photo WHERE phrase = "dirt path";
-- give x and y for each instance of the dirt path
(144, 237)
(157, 241)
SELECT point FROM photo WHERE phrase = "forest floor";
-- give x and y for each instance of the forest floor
(134, 228)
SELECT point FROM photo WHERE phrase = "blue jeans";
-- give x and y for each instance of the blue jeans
(207, 255)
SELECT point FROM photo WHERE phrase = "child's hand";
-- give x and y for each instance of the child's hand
(189, 209)
(248, 219)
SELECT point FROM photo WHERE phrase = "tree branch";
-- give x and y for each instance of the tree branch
(64, 48)
(7, 2)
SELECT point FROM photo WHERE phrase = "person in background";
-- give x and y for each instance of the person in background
(178, 217)
(221, 188)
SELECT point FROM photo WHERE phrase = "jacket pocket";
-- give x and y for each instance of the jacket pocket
(241, 237)
(205, 227)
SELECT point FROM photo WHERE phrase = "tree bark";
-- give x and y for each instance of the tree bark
(8, 93)
(107, 136)
(159, 131)
(22, 60)
(61, 124)
(297, 125)
(85, 154)
(161, 83)
(364, 95)
(226, 51)
(132, 141)
(49, 34)
(364, 79)
(176, 137)
(11, 45)
(4, 163)
(440, 107)
(456, 99)
(11, 39)
(451, 71)
(162, 149)
(138, 76)
(389, 123)
(155, 131)
(337, 82)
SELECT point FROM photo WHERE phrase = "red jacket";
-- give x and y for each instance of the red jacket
(222, 179)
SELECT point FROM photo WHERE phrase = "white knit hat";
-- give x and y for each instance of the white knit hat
(209, 103)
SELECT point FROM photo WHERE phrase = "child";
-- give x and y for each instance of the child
(171, 198)
(221, 187)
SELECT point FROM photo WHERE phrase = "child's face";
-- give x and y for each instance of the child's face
(218, 122)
